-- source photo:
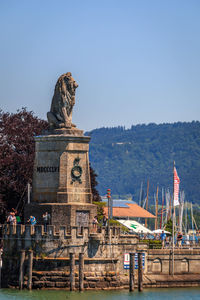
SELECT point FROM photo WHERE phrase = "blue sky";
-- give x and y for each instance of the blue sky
(135, 61)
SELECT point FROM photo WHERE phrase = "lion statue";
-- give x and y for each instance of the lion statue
(60, 115)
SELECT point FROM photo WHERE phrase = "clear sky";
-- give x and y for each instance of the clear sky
(135, 61)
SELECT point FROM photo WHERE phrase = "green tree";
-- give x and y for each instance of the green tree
(17, 150)
(123, 158)
(93, 178)
(168, 226)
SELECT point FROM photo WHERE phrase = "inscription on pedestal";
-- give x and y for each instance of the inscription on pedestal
(47, 169)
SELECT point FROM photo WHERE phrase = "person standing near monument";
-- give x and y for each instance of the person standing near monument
(163, 238)
(94, 223)
(179, 239)
(104, 221)
(11, 219)
(32, 220)
(46, 220)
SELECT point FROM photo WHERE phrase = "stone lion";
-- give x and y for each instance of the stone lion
(60, 115)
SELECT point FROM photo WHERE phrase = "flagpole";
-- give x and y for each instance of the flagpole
(173, 215)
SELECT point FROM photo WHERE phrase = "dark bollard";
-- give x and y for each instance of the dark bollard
(72, 275)
(81, 271)
(21, 270)
(140, 273)
(30, 269)
(131, 272)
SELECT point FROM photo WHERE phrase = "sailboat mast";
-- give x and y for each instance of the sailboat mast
(192, 223)
(186, 217)
(181, 207)
(161, 219)
(156, 219)
(147, 200)
(140, 200)
(170, 207)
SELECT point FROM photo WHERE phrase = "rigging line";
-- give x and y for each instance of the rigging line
(195, 223)
(21, 198)
(144, 202)
(22, 207)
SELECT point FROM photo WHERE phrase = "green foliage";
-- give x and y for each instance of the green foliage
(123, 158)
(100, 210)
(152, 244)
(168, 226)
(93, 178)
(112, 222)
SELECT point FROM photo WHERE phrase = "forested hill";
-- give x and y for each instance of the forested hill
(123, 158)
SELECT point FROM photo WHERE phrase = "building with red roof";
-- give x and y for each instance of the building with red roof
(129, 209)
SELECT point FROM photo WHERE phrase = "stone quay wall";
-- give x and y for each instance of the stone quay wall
(102, 243)
(159, 261)
(103, 253)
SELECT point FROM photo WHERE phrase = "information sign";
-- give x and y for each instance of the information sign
(127, 260)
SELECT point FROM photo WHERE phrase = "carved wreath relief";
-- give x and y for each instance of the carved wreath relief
(76, 171)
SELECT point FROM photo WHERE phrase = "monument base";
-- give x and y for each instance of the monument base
(71, 131)
(62, 214)
(61, 169)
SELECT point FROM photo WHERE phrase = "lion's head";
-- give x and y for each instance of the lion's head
(63, 101)
(66, 83)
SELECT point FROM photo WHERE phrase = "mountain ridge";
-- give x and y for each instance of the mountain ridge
(123, 158)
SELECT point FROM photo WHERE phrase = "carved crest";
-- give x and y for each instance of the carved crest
(76, 171)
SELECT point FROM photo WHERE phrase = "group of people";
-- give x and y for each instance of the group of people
(166, 240)
(45, 217)
(95, 222)
(14, 219)
(179, 239)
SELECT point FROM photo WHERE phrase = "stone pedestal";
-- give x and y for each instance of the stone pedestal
(63, 214)
(61, 178)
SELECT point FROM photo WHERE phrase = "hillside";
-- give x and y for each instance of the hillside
(123, 158)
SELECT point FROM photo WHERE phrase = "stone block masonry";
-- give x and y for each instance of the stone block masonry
(55, 159)
(54, 244)
(186, 261)
(61, 179)
(103, 254)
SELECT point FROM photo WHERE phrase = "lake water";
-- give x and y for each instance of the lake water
(147, 294)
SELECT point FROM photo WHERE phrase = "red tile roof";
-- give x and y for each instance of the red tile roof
(134, 211)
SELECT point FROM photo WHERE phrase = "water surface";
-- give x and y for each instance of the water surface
(147, 294)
